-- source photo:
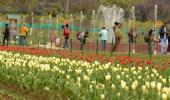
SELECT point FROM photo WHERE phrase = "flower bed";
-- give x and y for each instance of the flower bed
(83, 80)
(90, 57)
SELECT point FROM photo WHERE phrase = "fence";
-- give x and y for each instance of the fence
(40, 35)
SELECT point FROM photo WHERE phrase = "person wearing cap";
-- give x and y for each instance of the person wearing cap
(104, 37)
(118, 35)
(6, 35)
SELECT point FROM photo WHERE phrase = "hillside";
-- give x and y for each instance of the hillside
(144, 8)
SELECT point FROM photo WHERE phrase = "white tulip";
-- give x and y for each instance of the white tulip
(140, 68)
(123, 84)
(78, 71)
(139, 77)
(159, 86)
(164, 80)
(68, 77)
(47, 88)
(78, 79)
(146, 68)
(86, 78)
(93, 82)
(164, 96)
(102, 96)
(122, 73)
(118, 77)
(165, 90)
(108, 77)
(127, 76)
(153, 84)
(143, 88)
(118, 94)
(152, 75)
(147, 84)
(133, 86)
(113, 87)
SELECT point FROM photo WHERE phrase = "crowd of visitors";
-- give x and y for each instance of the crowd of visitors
(152, 39)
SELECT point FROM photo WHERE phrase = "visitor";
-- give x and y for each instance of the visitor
(24, 32)
(132, 38)
(164, 38)
(118, 35)
(104, 36)
(6, 35)
(66, 35)
(150, 40)
(53, 37)
(82, 37)
(130, 35)
(13, 30)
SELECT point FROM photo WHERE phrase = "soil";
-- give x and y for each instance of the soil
(12, 91)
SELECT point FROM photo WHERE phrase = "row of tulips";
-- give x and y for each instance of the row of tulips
(82, 79)
(89, 57)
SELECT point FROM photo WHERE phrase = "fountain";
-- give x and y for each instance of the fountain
(81, 20)
(72, 25)
(155, 15)
(41, 32)
(32, 23)
(133, 26)
(67, 7)
(57, 23)
(93, 21)
(110, 15)
(155, 27)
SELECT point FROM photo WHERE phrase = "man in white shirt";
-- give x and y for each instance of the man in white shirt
(104, 37)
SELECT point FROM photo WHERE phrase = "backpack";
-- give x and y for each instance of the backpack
(66, 31)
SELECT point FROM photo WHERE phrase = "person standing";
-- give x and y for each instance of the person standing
(130, 35)
(150, 40)
(118, 35)
(24, 32)
(6, 35)
(66, 35)
(164, 38)
(82, 37)
(104, 36)
(53, 37)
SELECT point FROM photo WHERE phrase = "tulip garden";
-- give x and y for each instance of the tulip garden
(77, 76)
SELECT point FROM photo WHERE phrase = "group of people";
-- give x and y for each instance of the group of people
(153, 40)
(81, 36)
(104, 34)
(7, 33)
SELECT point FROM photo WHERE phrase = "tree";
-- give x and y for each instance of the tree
(145, 10)
(25, 6)
(6, 5)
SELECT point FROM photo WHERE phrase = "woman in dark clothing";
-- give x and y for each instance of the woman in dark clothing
(6, 35)
(82, 38)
